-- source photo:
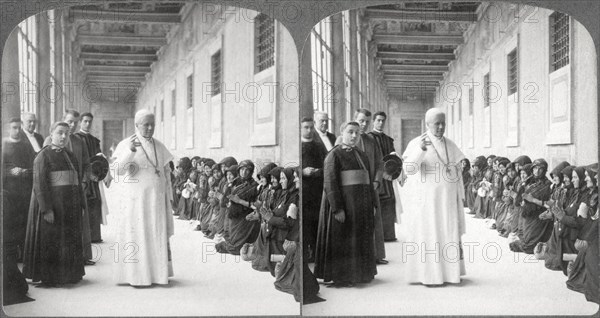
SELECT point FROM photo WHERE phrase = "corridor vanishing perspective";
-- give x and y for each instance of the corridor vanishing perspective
(339, 158)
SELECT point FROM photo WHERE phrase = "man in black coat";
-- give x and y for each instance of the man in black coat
(92, 188)
(326, 138)
(29, 122)
(313, 156)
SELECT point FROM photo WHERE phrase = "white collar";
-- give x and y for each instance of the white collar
(144, 139)
(379, 131)
(83, 131)
(434, 137)
(322, 133)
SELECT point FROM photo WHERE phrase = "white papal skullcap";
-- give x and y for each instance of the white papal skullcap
(432, 113)
(141, 114)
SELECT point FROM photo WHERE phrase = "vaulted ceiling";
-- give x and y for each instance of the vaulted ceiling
(416, 41)
(117, 42)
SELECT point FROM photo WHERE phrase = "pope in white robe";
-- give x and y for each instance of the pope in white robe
(433, 206)
(143, 217)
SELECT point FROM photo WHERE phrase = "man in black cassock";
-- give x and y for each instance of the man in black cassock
(78, 147)
(17, 180)
(18, 158)
(386, 191)
(345, 253)
(368, 144)
(313, 155)
(53, 245)
(92, 188)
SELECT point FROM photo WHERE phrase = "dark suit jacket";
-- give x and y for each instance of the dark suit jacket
(330, 136)
(37, 136)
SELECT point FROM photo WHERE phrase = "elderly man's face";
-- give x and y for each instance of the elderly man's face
(29, 123)
(437, 125)
(322, 123)
(363, 122)
(379, 122)
(306, 129)
(146, 126)
(72, 121)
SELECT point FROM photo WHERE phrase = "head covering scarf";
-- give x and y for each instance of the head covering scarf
(185, 164)
(480, 162)
(557, 171)
(289, 174)
(503, 161)
(248, 164)
(234, 169)
(264, 172)
(590, 171)
(580, 171)
(228, 161)
(522, 160)
(528, 168)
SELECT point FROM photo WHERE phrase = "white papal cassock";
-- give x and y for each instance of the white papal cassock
(143, 217)
(433, 212)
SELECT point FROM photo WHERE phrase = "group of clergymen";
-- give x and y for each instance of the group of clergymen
(366, 177)
(23, 235)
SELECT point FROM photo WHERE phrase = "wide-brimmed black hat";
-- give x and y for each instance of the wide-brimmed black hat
(99, 167)
(392, 165)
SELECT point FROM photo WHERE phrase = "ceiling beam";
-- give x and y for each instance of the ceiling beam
(414, 68)
(124, 16)
(118, 69)
(421, 16)
(413, 77)
(125, 40)
(428, 56)
(99, 83)
(434, 39)
(131, 57)
(413, 83)
(116, 79)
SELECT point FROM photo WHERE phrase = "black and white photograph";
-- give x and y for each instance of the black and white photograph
(299, 158)
(450, 161)
(149, 162)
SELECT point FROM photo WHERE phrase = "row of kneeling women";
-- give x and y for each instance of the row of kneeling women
(255, 217)
(555, 218)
